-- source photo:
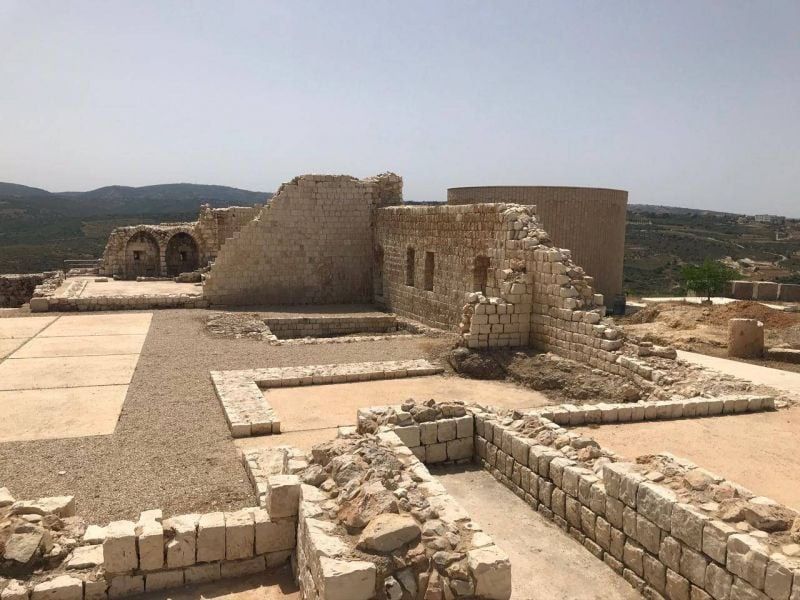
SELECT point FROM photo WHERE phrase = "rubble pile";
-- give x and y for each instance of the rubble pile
(386, 529)
(718, 498)
(238, 325)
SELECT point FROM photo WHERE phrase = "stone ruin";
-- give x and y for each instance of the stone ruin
(362, 517)
(172, 250)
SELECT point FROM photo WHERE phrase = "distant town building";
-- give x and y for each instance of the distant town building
(769, 219)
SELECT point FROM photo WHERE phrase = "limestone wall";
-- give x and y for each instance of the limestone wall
(17, 289)
(429, 258)
(665, 538)
(168, 249)
(311, 245)
(588, 221)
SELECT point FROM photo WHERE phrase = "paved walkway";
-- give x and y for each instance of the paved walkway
(87, 287)
(546, 564)
(66, 376)
(786, 381)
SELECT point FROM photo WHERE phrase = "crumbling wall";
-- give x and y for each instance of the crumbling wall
(17, 289)
(311, 245)
(469, 252)
(159, 246)
(588, 221)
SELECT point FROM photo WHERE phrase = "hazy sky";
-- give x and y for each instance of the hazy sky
(692, 103)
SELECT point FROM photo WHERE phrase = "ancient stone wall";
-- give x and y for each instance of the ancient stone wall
(311, 245)
(657, 522)
(763, 290)
(16, 290)
(588, 221)
(429, 258)
(169, 249)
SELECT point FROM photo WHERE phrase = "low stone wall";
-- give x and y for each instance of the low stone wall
(248, 412)
(655, 523)
(763, 290)
(127, 558)
(414, 543)
(434, 432)
(17, 289)
(62, 304)
(300, 327)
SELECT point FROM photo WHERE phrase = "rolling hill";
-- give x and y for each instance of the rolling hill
(40, 229)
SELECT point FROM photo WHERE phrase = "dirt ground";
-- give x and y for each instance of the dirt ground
(171, 448)
(546, 564)
(273, 585)
(758, 451)
(310, 414)
(559, 379)
(704, 329)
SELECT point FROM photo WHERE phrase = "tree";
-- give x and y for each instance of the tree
(708, 278)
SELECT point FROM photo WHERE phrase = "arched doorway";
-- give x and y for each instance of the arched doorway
(182, 254)
(142, 256)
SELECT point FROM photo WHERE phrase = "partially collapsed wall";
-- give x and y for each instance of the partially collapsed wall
(169, 249)
(311, 245)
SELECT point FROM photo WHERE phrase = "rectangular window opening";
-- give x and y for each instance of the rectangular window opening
(429, 267)
(410, 267)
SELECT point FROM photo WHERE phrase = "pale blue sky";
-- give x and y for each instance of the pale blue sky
(689, 103)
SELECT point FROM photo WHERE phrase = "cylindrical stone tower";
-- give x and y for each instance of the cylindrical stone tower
(588, 221)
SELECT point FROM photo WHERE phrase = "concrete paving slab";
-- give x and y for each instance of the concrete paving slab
(90, 345)
(99, 289)
(546, 563)
(66, 372)
(7, 346)
(23, 327)
(106, 324)
(786, 381)
(60, 413)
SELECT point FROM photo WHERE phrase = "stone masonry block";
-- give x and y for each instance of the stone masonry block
(211, 537)
(283, 495)
(446, 430)
(63, 587)
(465, 426)
(718, 582)
(239, 534)
(181, 549)
(747, 558)
(655, 502)
(715, 539)
(459, 449)
(203, 573)
(346, 580)
(119, 547)
(273, 536)
(687, 524)
(150, 535)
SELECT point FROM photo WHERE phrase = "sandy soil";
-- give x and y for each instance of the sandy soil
(534, 544)
(758, 450)
(310, 415)
(704, 329)
(171, 448)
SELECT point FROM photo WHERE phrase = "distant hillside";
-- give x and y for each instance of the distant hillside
(40, 229)
(674, 210)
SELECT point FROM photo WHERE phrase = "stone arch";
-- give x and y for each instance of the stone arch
(142, 255)
(181, 254)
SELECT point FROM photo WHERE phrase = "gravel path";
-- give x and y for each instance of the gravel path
(172, 448)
